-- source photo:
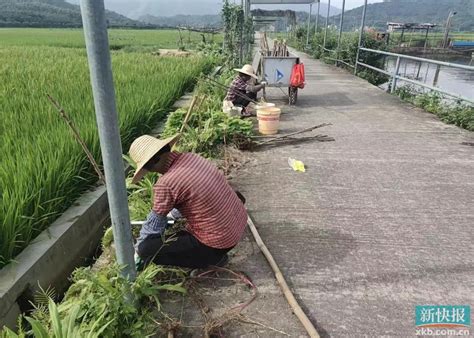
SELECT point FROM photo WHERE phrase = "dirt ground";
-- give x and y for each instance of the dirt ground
(213, 303)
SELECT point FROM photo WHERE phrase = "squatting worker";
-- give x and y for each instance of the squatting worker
(216, 217)
(242, 89)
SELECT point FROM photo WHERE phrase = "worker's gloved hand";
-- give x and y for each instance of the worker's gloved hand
(154, 226)
(264, 83)
(174, 214)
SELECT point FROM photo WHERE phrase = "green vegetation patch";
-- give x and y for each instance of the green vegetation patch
(347, 51)
(43, 169)
(452, 112)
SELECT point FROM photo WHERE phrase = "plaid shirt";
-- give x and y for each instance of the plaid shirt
(215, 215)
(238, 86)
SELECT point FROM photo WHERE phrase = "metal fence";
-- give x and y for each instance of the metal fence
(396, 76)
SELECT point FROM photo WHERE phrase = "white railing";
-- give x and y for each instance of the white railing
(396, 77)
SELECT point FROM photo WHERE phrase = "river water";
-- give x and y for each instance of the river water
(453, 80)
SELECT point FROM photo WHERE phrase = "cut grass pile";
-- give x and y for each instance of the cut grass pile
(42, 168)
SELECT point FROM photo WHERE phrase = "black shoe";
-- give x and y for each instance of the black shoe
(223, 261)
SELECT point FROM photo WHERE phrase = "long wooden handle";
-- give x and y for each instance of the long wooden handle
(283, 285)
(295, 133)
(188, 114)
(77, 136)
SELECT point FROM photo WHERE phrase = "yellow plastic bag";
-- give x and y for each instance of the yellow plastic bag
(296, 165)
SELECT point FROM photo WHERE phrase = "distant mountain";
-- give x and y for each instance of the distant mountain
(160, 8)
(323, 9)
(215, 21)
(413, 11)
(194, 21)
(170, 8)
(51, 13)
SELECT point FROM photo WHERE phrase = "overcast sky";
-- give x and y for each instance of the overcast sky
(351, 3)
(338, 3)
(136, 8)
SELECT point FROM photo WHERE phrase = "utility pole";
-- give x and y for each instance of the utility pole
(426, 38)
(317, 16)
(309, 24)
(241, 56)
(248, 46)
(361, 33)
(327, 22)
(445, 44)
(447, 28)
(341, 23)
(97, 44)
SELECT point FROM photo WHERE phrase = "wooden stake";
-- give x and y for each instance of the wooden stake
(188, 114)
(77, 136)
(283, 285)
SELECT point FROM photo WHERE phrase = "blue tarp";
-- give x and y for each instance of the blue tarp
(463, 44)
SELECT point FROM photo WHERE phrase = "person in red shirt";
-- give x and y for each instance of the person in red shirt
(243, 90)
(195, 189)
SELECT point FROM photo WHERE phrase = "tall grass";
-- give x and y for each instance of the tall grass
(42, 169)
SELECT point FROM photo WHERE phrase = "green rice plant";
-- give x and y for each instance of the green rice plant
(43, 169)
(118, 38)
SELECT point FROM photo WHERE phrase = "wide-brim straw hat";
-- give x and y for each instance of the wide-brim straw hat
(248, 70)
(144, 148)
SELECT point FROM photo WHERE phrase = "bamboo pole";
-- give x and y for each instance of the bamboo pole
(309, 327)
(188, 114)
(295, 133)
(77, 136)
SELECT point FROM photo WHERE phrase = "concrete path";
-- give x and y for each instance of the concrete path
(383, 218)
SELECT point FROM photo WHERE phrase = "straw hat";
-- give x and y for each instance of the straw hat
(248, 70)
(144, 148)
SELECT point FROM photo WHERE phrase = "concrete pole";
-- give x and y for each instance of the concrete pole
(327, 22)
(248, 47)
(317, 17)
(394, 76)
(341, 23)
(97, 44)
(361, 33)
(447, 28)
(241, 56)
(436, 76)
(445, 45)
(426, 38)
(401, 37)
(309, 23)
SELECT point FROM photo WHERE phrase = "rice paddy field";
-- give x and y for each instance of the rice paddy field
(435, 39)
(118, 38)
(42, 168)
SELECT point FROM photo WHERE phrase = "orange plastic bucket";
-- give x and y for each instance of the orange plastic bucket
(268, 120)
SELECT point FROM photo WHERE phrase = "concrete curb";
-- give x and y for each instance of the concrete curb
(68, 243)
(49, 260)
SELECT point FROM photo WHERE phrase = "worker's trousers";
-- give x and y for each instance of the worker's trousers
(241, 102)
(181, 249)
